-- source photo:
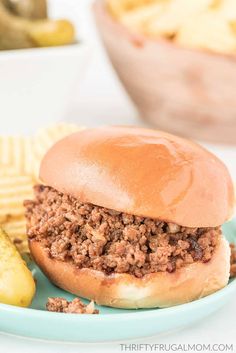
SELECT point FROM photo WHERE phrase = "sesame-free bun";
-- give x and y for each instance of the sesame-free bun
(142, 172)
(160, 289)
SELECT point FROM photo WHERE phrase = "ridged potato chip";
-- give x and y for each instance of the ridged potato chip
(45, 138)
(16, 154)
(20, 158)
(227, 9)
(14, 189)
(15, 227)
(7, 170)
(139, 18)
(208, 31)
(119, 7)
(16, 230)
(175, 15)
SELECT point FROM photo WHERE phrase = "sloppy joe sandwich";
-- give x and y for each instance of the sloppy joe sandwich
(131, 218)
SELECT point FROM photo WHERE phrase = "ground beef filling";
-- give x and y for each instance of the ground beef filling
(233, 260)
(106, 240)
(61, 305)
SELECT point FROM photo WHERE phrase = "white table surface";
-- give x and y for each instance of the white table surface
(101, 100)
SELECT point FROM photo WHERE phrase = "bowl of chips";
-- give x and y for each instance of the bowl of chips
(177, 61)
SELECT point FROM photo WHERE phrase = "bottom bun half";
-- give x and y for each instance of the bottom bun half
(160, 289)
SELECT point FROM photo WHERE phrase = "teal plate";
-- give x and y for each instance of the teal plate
(111, 324)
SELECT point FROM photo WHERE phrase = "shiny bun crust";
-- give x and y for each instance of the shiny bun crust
(160, 289)
(142, 172)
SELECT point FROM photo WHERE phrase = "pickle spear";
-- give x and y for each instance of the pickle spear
(51, 33)
(31, 9)
(17, 286)
(13, 31)
(18, 33)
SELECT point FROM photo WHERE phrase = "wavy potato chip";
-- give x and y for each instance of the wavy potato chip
(15, 227)
(22, 155)
(20, 158)
(45, 138)
(7, 170)
(175, 15)
(16, 154)
(119, 7)
(16, 230)
(208, 31)
(227, 9)
(139, 18)
(14, 189)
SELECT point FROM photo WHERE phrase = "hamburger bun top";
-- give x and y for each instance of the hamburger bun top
(143, 172)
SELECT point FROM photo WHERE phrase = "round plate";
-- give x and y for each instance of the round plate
(111, 324)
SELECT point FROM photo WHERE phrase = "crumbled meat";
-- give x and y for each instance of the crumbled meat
(106, 240)
(61, 305)
(233, 260)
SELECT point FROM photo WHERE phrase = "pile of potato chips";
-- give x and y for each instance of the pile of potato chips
(204, 24)
(20, 158)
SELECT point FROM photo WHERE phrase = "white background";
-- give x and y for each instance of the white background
(100, 99)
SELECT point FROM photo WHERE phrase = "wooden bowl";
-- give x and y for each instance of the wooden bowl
(184, 91)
